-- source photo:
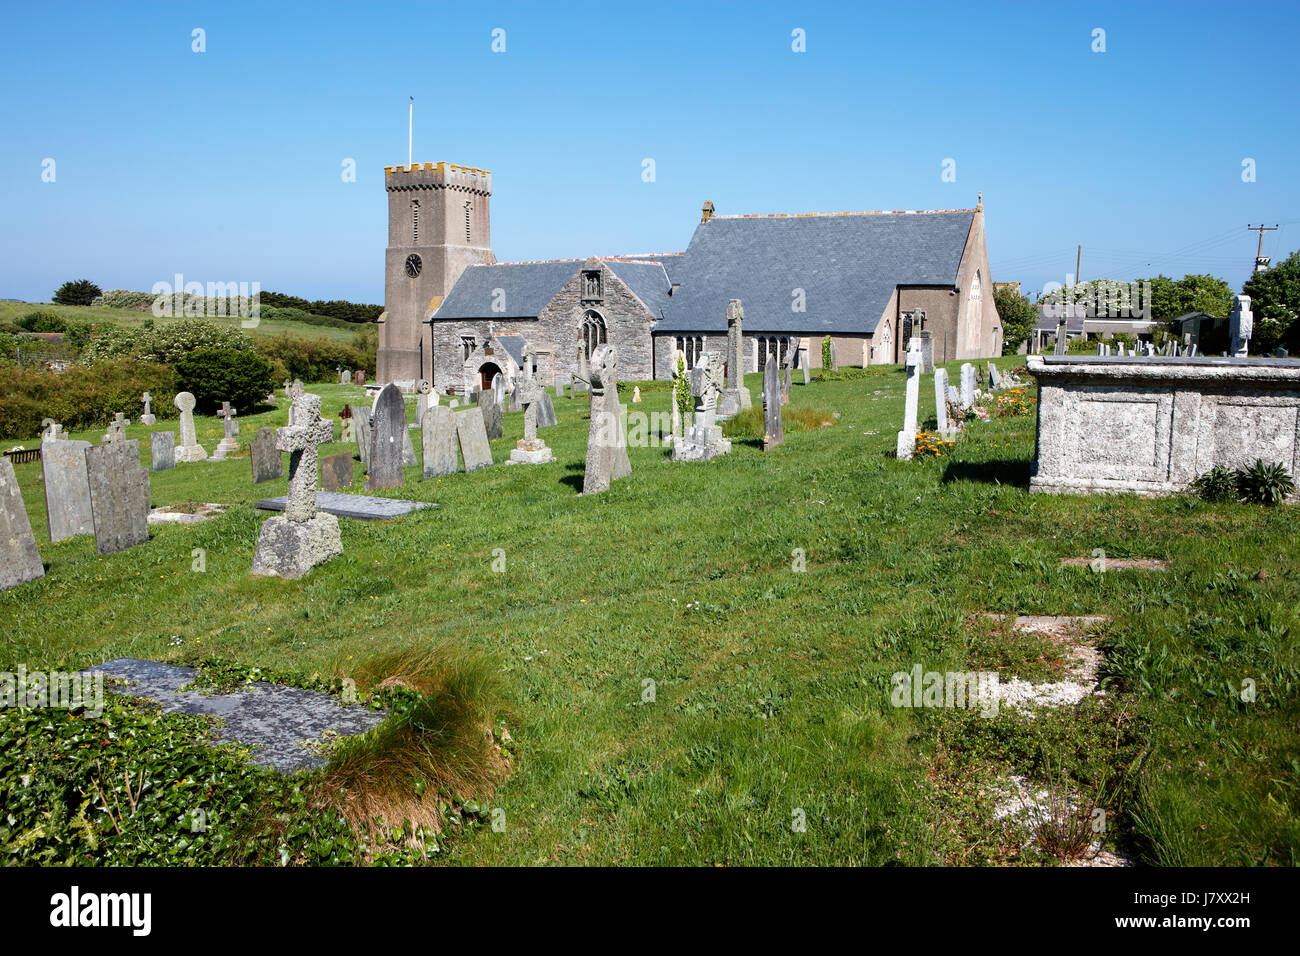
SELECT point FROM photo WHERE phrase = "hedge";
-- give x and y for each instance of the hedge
(314, 359)
(82, 397)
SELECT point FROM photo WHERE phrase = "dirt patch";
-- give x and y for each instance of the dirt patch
(1118, 564)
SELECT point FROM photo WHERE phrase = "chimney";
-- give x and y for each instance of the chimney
(706, 213)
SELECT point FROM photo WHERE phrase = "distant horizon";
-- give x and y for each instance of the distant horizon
(140, 157)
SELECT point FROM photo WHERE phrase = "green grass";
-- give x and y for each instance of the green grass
(12, 311)
(770, 686)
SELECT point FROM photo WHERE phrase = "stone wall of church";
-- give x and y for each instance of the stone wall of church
(627, 325)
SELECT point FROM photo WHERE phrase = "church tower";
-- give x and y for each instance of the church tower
(438, 224)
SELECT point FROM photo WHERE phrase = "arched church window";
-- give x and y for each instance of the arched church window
(593, 332)
(974, 313)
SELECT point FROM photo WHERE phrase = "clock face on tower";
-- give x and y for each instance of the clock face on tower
(413, 265)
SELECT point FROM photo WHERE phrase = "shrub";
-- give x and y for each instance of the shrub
(682, 389)
(42, 322)
(826, 353)
(78, 292)
(1264, 484)
(312, 360)
(126, 299)
(1217, 484)
(166, 343)
(215, 375)
(83, 398)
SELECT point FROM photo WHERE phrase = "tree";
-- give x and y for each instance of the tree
(80, 292)
(1275, 301)
(215, 375)
(1018, 314)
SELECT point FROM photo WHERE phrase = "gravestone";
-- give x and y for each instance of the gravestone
(20, 560)
(293, 543)
(67, 489)
(190, 449)
(907, 437)
(361, 430)
(228, 442)
(119, 495)
(803, 364)
(607, 458)
(268, 463)
(295, 391)
(702, 439)
(1241, 325)
(493, 418)
(438, 443)
(967, 386)
(471, 432)
(148, 418)
(345, 376)
(944, 427)
(498, 389)
(835, 357)
(736, 398)
(995, 378)
(1062, 332)
(346, 432)
(52, 430)
(773, 433)
(927, 352)
(117, 428)
(387, 431)
(636, 394)
(529, 450)
(335, 471)
(162, 451)
(546, 411)
(425, 397)
(359, 377)
(785, 387)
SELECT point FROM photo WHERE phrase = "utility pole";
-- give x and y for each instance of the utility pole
(1261, 261)
(1078, 261)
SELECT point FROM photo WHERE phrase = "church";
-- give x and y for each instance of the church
(456, 317)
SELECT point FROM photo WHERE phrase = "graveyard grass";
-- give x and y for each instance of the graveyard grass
(770, 698)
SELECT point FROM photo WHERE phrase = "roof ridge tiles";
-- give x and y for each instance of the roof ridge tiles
(811, 215)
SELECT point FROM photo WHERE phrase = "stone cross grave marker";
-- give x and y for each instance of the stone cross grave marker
(607, 458)
(190, 449)
(387, 427)
(346, 432)
(52, 430)
(117, 427)
(702, 439)
(20, 560)
(530, 450)
(119, 495)
(67, 489)
(228, 442)
(292, 543)
(148, 418)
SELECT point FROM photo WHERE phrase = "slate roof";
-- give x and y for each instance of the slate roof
(848, 265)
(528, 287)
(514, 344)
(648, 279)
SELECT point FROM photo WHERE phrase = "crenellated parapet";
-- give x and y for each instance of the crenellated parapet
(449, 176)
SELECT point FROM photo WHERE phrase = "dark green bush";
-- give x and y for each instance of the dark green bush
(215, 375)
(312, 359)
(82, 398)
(42, 322)
(79, 292)
(1217, 484)
(1264, 484)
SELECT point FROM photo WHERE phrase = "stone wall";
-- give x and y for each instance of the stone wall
(1151, 425)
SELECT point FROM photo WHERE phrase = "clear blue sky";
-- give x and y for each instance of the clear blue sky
(225, 165)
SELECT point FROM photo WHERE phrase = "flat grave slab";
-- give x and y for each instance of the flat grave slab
(281, 723)
(363, 507)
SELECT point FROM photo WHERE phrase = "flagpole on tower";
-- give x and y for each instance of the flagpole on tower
(410, 130)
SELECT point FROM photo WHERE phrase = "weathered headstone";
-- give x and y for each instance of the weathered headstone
(499, 389)
(336, 471)
(345, 376)
(387, 430)
(67, 489)
(967, 386)
(20, 559)
(268, 462)
(148, 418)
(941, 401)
(117, 428)
(773, 432)
(995, 377)
(425, 397)
(785, 386)
(361, 430)
(1062, 332)
(359, 377)
(607, 458)
(119, 495)
(162, 451)
(472, 435)
(346, 432)
(907, 437)
(52, 430)
(295, 391)
(190, 449)
(546, 411)
(293, 543)
(702, 439)
(438, 443)
(493, 418)
(1241, 325)
(927, 351)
